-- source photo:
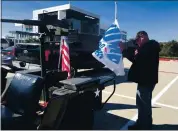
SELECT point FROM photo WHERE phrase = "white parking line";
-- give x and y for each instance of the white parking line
(168, 106)
(132, 121)
(128, 97)
(133, 98)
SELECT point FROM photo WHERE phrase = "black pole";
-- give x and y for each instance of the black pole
(43, 67)
(42, 55)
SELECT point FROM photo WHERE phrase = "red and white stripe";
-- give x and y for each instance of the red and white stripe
(65, 56)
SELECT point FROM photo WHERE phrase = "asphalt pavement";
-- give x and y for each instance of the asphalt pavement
(121, 110)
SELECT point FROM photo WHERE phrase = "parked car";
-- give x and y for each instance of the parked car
(7, 55)
(11, 41)
(6, 43)
(28, 52)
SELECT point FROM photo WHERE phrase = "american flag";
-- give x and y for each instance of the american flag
(65, 57)
(109, 52)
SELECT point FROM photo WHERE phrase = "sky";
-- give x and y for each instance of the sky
(158, 18)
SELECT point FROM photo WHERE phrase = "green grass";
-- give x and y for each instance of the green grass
(169, 57)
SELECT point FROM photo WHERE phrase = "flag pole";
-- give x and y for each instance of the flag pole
(115, 10)
(116, 19)
(60, 53)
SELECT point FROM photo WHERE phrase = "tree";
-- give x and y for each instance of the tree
(32, 40)
(169, 49)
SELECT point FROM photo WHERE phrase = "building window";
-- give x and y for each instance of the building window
(89, 28)
(75, 24)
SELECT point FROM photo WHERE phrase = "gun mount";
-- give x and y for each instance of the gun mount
(44, 31)
(80, 44)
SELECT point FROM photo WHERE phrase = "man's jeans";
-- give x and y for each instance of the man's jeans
(144, 105)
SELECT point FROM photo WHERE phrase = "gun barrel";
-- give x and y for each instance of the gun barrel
(58, 23)
(25, 22)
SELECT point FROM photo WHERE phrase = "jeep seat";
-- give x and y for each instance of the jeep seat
(22, 99)
(3, 79)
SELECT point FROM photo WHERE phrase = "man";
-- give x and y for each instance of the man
(144, 71)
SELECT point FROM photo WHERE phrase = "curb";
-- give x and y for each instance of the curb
(168, 59)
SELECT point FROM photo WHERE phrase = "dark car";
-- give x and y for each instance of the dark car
(7, 55)
(28, 52)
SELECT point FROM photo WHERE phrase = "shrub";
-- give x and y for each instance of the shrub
(169, 49)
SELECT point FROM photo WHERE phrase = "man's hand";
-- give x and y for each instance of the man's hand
(136, 52)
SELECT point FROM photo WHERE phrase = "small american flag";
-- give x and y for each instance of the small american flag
(65, 57)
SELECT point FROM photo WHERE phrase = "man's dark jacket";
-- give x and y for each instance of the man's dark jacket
(145, 64)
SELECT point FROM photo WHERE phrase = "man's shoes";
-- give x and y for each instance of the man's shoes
(133, 127)
(137, 127)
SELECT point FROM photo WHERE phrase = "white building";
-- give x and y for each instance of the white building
(83, 21)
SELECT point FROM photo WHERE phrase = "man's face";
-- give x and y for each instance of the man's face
(141, 39)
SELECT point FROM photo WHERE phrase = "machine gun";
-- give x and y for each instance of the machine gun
(44, 32)
(80, 44)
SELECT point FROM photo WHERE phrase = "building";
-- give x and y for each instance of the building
(21, 36)
(81, 20)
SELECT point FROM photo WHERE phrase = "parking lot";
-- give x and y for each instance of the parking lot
(121, 111)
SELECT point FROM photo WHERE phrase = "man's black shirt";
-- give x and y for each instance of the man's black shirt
(145, 64)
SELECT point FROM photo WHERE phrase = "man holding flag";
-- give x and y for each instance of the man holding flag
(143, 71)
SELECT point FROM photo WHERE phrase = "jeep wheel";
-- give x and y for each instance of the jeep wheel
(22, 64)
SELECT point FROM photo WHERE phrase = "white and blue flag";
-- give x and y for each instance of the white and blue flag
(109, 52)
